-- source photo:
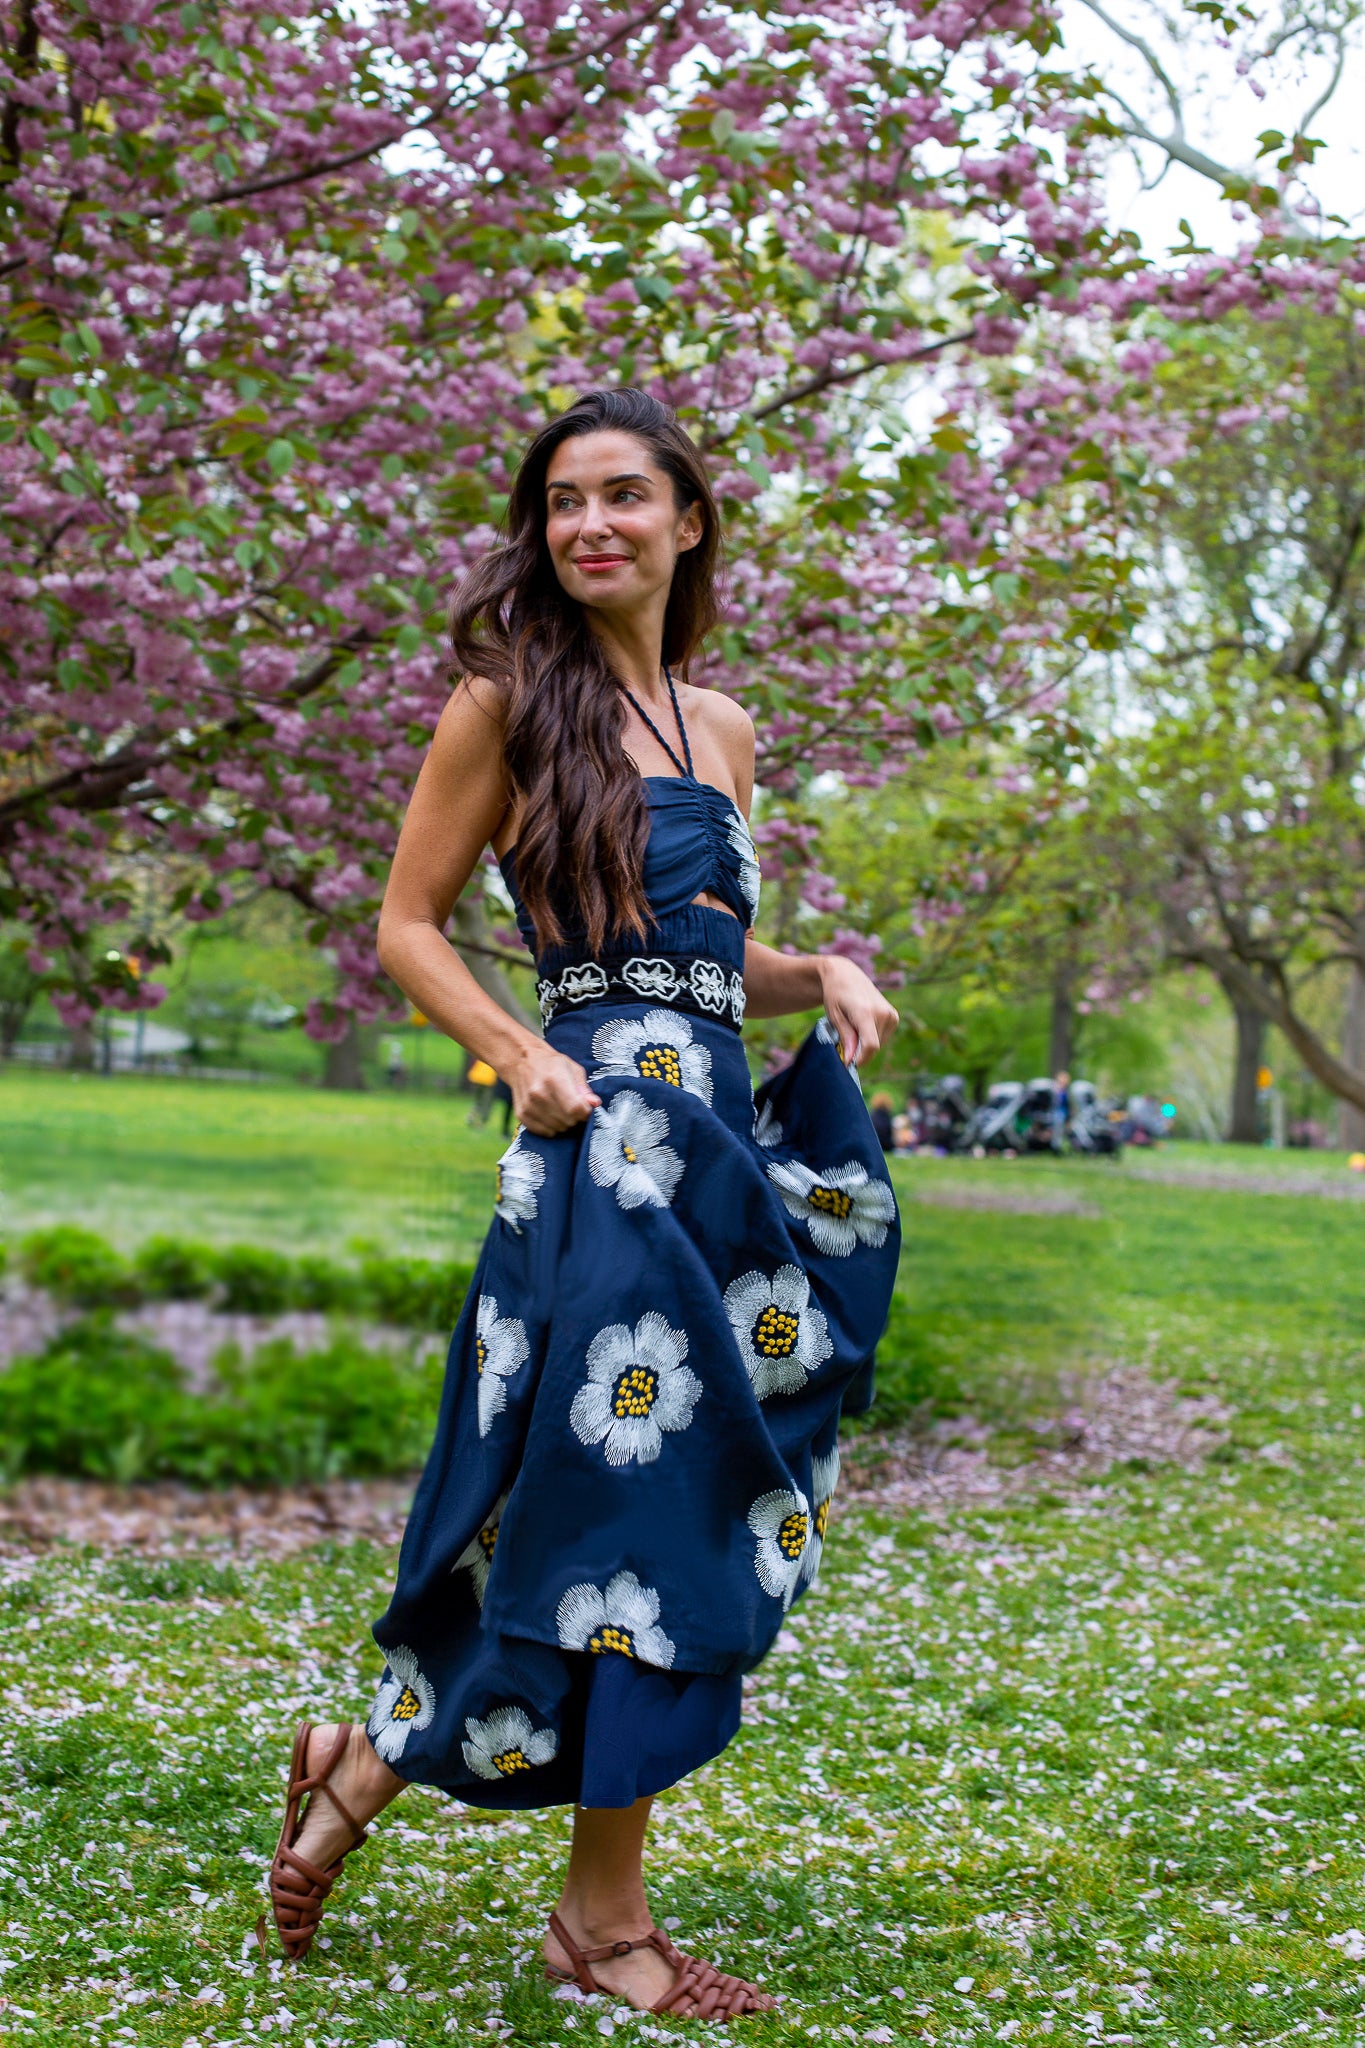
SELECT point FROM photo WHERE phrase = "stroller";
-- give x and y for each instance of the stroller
(1000, 1124)
(941, 1110)
(1095, 1127)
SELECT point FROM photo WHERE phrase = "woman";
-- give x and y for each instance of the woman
(681, 1285)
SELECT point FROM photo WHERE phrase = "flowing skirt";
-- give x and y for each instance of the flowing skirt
(637, 1443)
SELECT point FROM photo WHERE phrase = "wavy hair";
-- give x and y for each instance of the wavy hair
(584, 823)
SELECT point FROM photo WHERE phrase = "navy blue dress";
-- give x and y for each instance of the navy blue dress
(637, 1443)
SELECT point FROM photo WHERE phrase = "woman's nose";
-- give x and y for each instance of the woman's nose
(596, 522)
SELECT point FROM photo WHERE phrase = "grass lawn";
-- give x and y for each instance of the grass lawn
(1081, 1766)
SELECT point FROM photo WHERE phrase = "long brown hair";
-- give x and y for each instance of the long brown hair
(584, 823)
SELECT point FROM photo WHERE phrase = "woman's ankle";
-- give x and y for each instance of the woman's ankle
(595, 1920)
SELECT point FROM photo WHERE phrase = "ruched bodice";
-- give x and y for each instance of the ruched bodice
(698, 841)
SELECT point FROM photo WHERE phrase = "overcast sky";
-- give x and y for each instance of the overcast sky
(1223, 117)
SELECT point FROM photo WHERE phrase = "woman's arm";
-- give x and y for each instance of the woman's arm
(460, 798)
(775, 984)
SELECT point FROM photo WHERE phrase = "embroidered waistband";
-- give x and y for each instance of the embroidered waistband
(680, 981)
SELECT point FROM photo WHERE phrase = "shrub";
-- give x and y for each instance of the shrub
(255, 1281)
(175, 1269)
(417, 1294)
(95, 1402)
(320, 1283)
(101, 1404)
(77, 1266)
(81, 1268)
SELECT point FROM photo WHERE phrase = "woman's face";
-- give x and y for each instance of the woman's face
(611, 524)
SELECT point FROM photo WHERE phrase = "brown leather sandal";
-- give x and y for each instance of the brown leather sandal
(700, 1991)
(298, 1889)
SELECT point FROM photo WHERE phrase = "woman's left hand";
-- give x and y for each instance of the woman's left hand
(857, 1009)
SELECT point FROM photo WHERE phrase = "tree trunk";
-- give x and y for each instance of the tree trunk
(1353, 1056)
(341, 1068)
(82, 1053)
(1244, 1125)
(1247, 985)
(1061, 1039)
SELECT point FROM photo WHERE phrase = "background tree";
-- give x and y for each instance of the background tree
(283, 291)
(1244, 771)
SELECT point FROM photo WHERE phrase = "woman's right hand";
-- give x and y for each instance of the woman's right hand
(550, 1092)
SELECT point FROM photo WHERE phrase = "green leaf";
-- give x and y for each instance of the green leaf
(247, 553)
(184, 580)
(391, 468)
(409, 640)
(654, 291)
(43, 442)
(70, 674)
(722, 126)
(89, 341)
(280, 456)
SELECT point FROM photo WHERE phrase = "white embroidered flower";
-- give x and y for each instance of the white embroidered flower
(824, 1477)
(767, 1129)
(505, 1743)
(839, 1207)
(656, 1047)
(651, 979)
(520, 1174)
(405, 1701)
(477, 1556)
(623, 1619)
(626, 1152)
(781, 1522)
(710, 985)
(500, 1349)
(742, 843)
(637, 1387)
(782, 1336)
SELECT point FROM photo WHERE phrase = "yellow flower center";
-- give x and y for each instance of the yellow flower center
(407, 1706)
(497, 1185)
(822, 1518)
(831, 1202)
(776, 1332)
(610, 1637)
(509, 1760)
(636, 1392)
(480, 1353)
(661, 1063)
(628, 1153)
(792, 1534)
(488, 1540)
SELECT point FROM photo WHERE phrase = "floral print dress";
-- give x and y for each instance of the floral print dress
(637, 1445)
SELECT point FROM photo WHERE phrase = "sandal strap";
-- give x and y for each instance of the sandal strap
(706, 1993)
(700, 1991)
(318, 1781)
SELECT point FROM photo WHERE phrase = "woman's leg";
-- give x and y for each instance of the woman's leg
(363, 1783)
(604, 1900)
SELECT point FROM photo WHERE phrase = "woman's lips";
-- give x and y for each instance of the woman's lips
(596, 565)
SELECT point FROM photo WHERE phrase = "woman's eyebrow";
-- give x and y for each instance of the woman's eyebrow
(631, 476)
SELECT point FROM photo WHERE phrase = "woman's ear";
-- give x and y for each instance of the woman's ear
(690, 527)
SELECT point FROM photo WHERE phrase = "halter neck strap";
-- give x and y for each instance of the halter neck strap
(688, 773)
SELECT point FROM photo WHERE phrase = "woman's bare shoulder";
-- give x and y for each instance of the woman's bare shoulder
(725, 715)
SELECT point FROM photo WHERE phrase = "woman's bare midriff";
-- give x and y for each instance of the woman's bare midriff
(713, 902)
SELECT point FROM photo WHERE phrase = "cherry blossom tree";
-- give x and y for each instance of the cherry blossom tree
(284, 288)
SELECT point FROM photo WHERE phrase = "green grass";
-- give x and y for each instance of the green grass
(1100, 1752)
(268, 1165)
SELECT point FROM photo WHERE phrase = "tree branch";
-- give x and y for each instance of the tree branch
(98, 785)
